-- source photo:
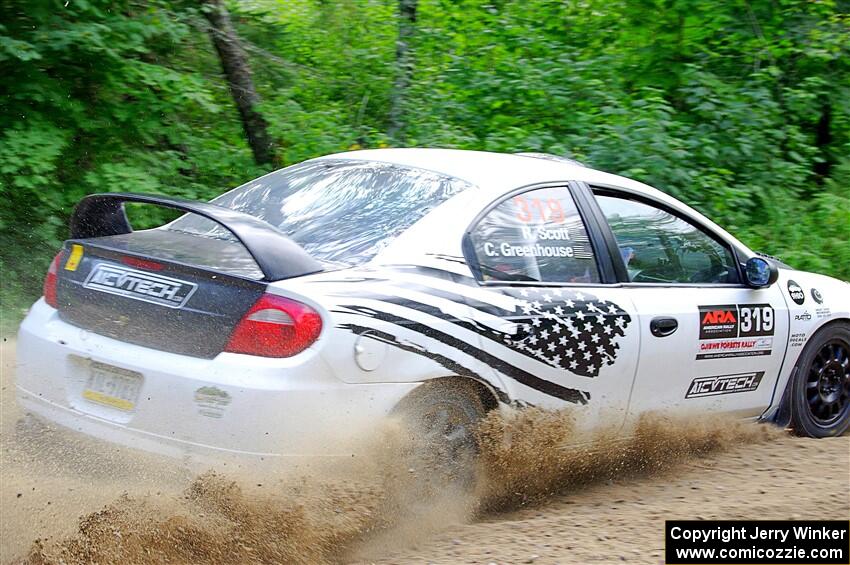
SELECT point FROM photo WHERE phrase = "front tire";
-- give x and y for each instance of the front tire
(820, 395)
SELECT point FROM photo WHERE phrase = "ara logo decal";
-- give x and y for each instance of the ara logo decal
(718, 321)
(720, 317)
(796, 293)
(817, 296)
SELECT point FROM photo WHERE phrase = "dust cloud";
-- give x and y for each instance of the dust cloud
(529, 456)
(384, 499)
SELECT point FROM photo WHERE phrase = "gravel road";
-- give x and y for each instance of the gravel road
(44, 491)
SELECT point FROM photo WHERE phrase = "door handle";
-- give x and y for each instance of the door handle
(662, 327)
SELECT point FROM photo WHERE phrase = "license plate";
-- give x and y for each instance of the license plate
(112, 386)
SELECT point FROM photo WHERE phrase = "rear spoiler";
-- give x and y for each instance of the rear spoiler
(277, 256)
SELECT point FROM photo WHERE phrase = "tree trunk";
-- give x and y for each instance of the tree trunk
(404, 66)
(234, 63)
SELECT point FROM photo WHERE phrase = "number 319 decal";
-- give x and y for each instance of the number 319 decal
(756, 320)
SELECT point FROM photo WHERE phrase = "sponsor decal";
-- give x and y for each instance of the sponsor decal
(822, 313)
(74, 258)
(138, 285)
(804, 317)
(726, 348)
(718, 321)
(735, 330)
(796, 293)
(817, 296)
(797, 340)
(724, 384)
(211, 401)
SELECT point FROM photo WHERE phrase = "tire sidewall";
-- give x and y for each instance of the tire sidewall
(803, 421)
(444, 464)
(455, 397)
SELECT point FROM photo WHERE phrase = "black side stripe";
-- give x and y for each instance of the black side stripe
(515, 373)
(450, 259)
(469, 324)
(453, 366)
(460, 299)
(464, 300)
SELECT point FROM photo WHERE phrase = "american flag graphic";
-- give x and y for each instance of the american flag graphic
(569, 330)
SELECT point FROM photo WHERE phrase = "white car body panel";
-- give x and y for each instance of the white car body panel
(415, 313)
(668, 371)
(273, 407)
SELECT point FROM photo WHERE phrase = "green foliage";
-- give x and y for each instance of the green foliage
(740, 108)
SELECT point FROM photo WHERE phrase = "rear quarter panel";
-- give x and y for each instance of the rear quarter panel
(361, 348)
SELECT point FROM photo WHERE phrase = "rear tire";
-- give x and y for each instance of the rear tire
(820, 394)
(441, 417)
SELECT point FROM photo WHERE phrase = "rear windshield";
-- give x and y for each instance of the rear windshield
(340, 212)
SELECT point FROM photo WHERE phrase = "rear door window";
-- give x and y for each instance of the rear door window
(536, 236)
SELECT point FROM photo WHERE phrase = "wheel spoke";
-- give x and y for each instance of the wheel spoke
(827, 386)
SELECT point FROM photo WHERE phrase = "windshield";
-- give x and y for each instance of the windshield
(338, 211)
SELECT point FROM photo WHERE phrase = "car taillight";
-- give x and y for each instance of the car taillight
(275, 327)
(50, 282)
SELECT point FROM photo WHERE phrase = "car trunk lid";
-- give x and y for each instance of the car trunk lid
(166, 289)
(162, 300)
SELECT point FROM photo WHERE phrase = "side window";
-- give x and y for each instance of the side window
(535, 236)
(659, 247)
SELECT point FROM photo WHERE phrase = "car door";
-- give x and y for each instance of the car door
(566, 336)
(708, 342)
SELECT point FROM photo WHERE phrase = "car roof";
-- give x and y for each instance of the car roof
(497, 172)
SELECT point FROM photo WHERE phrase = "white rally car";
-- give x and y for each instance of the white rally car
(291, 312)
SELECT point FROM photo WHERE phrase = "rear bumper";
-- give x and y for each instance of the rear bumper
(233, 405)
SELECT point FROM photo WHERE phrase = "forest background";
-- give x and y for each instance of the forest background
(740, 108)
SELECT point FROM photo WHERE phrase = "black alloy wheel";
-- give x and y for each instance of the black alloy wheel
(820, 401)
(828, 383)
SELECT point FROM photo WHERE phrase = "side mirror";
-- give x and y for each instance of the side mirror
(760, 273)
